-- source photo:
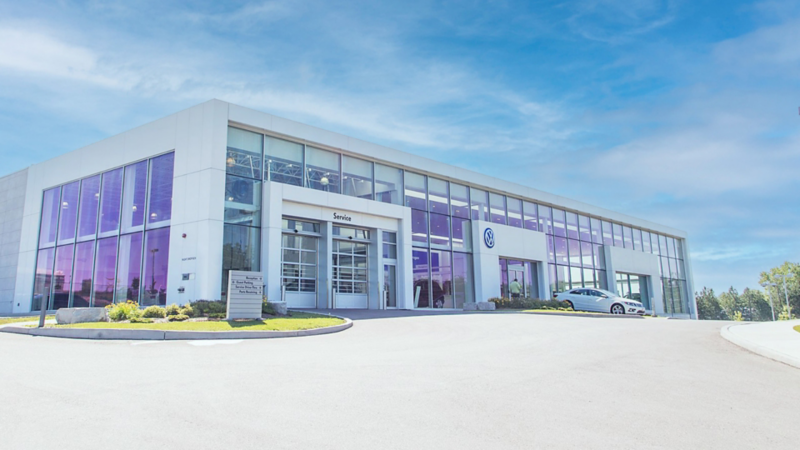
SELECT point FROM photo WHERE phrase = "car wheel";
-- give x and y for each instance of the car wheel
(571, 306)
(616, 308)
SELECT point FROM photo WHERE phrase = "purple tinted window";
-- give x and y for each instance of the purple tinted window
(90, 200)
(608, 237)
(104, 268)
(637, 239)
(617, 235)
(459, 200)
(44, 277)
(441, 279)
(572, 226)
(462, 234)
(62, 276)
(551, 250)
(531, 220)
(574, 252)
(559, 223)
(134, 196)
(627, 235)
(646, 241)
(440, 230)
(129, 273)
(599, 259)
(82, 274)
(497, 204)
(415, 191)
(420, 270)
(438, 193)
(419, 226)
(480, 204)
(597, 231)
(586, 232)
(561, 250)
(47, 232)
(156, 262)
(546, 219)
(515, 212)
(69, 212)
(160, 210)
(109, 201)
(586, 254)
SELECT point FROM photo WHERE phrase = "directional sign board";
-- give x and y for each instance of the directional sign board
(245, 291)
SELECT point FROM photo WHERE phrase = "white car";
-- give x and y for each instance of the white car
(599, 300)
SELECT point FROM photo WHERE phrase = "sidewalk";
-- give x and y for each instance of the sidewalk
(774, 340)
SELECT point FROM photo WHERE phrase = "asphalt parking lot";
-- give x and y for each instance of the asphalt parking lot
(460, 381)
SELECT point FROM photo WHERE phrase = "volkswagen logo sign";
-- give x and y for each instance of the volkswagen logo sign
(488, 237)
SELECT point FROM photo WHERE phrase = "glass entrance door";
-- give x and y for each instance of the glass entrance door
(389, 286)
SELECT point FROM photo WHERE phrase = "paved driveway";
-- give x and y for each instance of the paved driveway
(443, 381)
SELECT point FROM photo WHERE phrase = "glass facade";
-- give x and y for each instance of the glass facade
(94, 260)
(441, 217)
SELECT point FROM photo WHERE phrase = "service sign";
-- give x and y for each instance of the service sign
(245, 292)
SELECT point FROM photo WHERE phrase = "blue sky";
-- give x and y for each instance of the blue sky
(680, 112)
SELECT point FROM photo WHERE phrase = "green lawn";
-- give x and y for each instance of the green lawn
(297, 321)
(5, 320)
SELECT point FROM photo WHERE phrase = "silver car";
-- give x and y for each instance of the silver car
(599, 300)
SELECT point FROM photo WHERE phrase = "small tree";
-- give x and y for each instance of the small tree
(708, 307)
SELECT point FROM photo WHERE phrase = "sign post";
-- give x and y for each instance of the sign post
(245, 294)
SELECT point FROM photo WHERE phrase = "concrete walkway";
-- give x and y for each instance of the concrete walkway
(774, 340)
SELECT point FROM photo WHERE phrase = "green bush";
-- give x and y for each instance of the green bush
(529, 303)
(173, 309)
(208, 307)
(266, 308)
(187, 310)
(141, 320)
(177, 317)
(154, 312)
(124, 311)
(217, 315)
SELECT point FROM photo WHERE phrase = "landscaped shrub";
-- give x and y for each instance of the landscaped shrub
(173, 309)
(124, 311)
(154, 312)
(208, 307)
(177, 317)
(528, 303)
(266, 307)
(187, 310)
(141, 319)
(217, 315)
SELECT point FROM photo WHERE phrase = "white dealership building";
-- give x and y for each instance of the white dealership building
(161, 213)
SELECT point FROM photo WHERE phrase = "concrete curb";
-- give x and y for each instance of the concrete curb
(158, 335)
(598, 315)
(757, 348)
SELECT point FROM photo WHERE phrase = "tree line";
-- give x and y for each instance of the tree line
(766, 304)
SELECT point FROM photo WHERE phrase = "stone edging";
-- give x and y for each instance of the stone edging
(757, 348)
(159, 335)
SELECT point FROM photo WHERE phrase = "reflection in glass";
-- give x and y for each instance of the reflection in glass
(440, 230)
(160, 206)
(82, 274)
(572, 226)
(574, 252)
(462, 279)
(388, 184)
(322, 170)
(608, 236)
(438, 195)
(441, 279)
(69, 212)
(646, 242)
(597, 234)
(462, 234)
(559, 223)
(50, 207)
(134, 197)
(244, 153)
(62, 277)
(561, 250)
(242, 201)
(420, 270)
(459, 200)
(585, 229)
(419, 227)
(241, 250)
(284, 161)
(415, 191)
(110, 196)
(356, 177)
(515, 212)
(480, 204)
(44, 277)
(497, 203)
(618, 242)
(586, 254)
(156, 267)
(531, 218)
(90, 201)
(104, 269)
(129, 268)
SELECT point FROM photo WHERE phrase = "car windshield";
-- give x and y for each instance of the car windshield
(608, 293)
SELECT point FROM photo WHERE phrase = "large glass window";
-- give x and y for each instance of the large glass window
(420, 269)
(110, 196)
(62, 277)
(462, 279)
(104, 269)
(82, 275)
(284, 161)
(134, 197)
(388, 184)
(438, 194)
(462, 234)
(562, 256)
(241, 250)
(531, 219)
(646, 242)
(574, 252)
(459, 200)
(90, 201)
(244, 153)
(637, 239)
(69, 213)
(44, 276)
(356, 177)
(415, 191)
(480, 204)
(350, 270)
(497, 203)
(441, 279)
(160, 208)
(572, 226)
(322, 170)
(50, 206)
(129, 268)
(546, 219)
(514, 212)
(586, 254)
(419, 227)
(559, 223)
(597, 231)
(617, 228)
(156, 263)
(242, 201)
(389, 245)
(299, 263)
(440, 230)
(585, 229)
(627, 236)
(608, 236)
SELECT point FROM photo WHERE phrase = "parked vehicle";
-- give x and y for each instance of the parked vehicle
(599, 300)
